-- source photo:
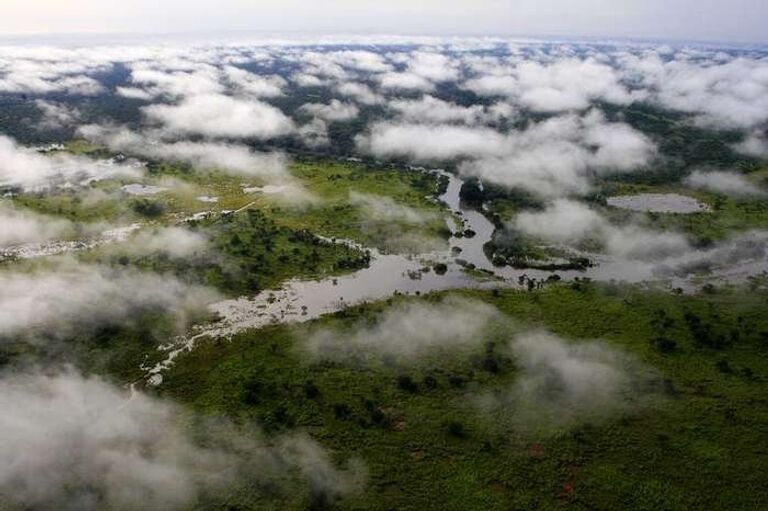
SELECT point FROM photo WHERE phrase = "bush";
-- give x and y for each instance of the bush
(456, 429)
(407, 384)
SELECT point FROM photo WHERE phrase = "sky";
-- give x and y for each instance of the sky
(698, 20)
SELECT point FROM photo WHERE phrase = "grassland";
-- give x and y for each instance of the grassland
(701, 445)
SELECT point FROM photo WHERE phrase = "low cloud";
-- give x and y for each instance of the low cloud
(55, 115)
(233, 158)
(755, 144)
(569, 222)
(75, 296)
(409, 331)
(432, 110)
(23, 226)
(72, 442)
(425, 142)
(560, 383)
(216, 115)
(174, 242)
(28, 169)
(405, 82)
(727, 183)
(383, 208)
(249, 84)
(567, 84)
(333, 111)
(550, 158)
(730, 94)
(359, 92)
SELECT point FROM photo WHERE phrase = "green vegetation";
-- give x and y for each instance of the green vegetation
(428, 446)
(334, 215)
(729, 215)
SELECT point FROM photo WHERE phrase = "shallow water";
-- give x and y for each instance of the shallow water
(659, 203)
(388, 274)
(141, 190)
(57, 247)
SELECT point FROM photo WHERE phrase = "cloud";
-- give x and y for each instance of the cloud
(409, 330)
(30, 170)
(332, 112)
(359, 92)
(50, 75)
(567, 221)
(734, 259)
(216, 115)
(432, 66)
(308, 80)
(386, 209)
(429, 142)
(755, 145)
(550, 158)
(561, 383)
(159, 81)
(315, 133)
(567, 84)
(731, 94)
(233, 158)
(55, 115)
(366, 61)
(21, 226)
(405, 81)
(72, 442)
(492, 85)
(727, 183)
(175, 242)
(72, 296)
(432, 110)
(253, 85)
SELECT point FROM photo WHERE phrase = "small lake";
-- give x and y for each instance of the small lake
(659, 203)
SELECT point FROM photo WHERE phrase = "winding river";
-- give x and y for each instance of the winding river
(390, 274)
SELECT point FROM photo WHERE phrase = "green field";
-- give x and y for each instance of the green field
(699, 443)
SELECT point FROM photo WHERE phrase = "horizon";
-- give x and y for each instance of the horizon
(710, 21)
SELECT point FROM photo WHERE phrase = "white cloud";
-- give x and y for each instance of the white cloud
(728, 183)
(367, 61)
(383, 209)
(430, 142)
(216, 115)
(432, 110)
(563, 382)
(315, 133)
(492, 85)
(359, 92)
(255, 85)
(333, 111)
(435, 67)
(72, 442)
(567, 84)
(731, 94)
(755, 145)
(56, 115)
(175, 242)
(568, 222)
(549, 158)
(409, 330)
(405, 81)
(74, 296)
(22, 226)
(233, 158)
(28, 169)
